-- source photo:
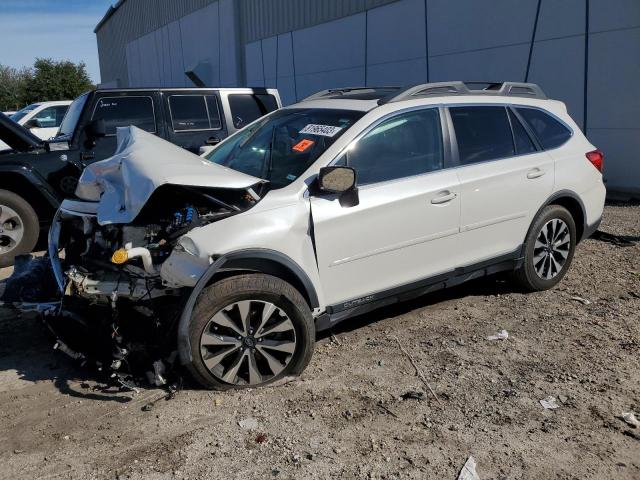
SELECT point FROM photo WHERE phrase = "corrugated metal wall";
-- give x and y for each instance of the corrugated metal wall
(258, 19)
(265, 18)
(133, 19)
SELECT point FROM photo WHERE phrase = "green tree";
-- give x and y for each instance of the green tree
(12, 87)
(56, 80)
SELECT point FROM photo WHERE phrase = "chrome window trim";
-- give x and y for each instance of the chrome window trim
(206, 106)
(153, 111)
(448, 134)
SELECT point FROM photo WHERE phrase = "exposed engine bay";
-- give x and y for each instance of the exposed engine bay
(114, 261)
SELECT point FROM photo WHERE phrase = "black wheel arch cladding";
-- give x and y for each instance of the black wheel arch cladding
(258, 260)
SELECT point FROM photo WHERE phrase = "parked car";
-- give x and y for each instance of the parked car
(323, 210)
(43, 119)
(36, 175)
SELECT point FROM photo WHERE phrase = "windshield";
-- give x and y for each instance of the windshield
(70, 119)
(280, 147)
(21, 113)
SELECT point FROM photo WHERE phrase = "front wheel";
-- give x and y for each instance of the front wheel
(249, 331)
(19, 227)
(549, 249)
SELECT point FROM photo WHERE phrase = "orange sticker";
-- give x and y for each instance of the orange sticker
(303, 145)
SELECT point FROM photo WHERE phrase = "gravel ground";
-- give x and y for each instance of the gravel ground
(346, 416)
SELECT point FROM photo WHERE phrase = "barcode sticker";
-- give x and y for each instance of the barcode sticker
(322, 130)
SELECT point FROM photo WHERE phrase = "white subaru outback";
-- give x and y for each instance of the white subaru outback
(346, 201)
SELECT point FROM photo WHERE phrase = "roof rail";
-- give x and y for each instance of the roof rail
(507, 89)
(338, 92)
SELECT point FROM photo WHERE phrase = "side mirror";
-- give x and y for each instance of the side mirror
(96, 129)
(33, 123)
(336, 179)
(341, 180)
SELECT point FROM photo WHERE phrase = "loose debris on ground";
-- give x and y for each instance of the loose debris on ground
(346, 416)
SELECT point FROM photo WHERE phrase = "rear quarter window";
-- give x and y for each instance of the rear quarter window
(550, 132)
(245, 108)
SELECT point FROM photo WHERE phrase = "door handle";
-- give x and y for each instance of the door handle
(445, 197)
(212, 141)
(535, 173)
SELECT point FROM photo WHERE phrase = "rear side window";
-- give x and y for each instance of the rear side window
(194, 112)
(405, 145)
(550, 132)
(521, 138)
(483, 133)
(125, 111)
(245, 108)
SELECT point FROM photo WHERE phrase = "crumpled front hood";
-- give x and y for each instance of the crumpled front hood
(142, 162)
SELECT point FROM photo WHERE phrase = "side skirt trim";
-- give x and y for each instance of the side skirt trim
(358, 306)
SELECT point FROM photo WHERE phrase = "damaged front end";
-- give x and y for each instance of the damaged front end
(101, 289)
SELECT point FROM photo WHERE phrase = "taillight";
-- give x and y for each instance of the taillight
(596, 158)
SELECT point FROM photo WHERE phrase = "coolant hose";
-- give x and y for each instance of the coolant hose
(145, 255)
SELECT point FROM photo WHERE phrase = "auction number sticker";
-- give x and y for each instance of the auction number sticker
(322, 130)
(303, 145)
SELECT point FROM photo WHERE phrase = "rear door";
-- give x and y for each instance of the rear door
(194, 118)
(504, 180)
(405, 226)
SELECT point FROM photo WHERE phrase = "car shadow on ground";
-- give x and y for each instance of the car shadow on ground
(27, 357)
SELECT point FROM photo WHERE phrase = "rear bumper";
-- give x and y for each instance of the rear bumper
(591, 229)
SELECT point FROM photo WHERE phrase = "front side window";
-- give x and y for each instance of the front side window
(483, 133)
(125, 111)
(549, 131)
(51, 117)
(281, 147)
(245, 108)
(194, 112)
(403, 146)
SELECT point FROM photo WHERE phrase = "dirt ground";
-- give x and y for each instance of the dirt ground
(345, 417)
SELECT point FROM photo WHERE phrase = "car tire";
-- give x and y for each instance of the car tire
(19, 227)
(248, 331)
(548, 249)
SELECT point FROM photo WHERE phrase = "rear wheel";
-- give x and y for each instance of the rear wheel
(249, 331)
(19, 227)
(549, 249)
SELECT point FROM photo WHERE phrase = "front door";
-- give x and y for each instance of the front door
(120, 109)
(406, 223)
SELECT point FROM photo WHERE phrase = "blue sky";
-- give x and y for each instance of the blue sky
(60, 29)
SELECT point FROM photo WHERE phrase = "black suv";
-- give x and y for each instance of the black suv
(36, 175)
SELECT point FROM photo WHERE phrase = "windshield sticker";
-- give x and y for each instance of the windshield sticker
(291, 177)
(303, 146)
(322, 130)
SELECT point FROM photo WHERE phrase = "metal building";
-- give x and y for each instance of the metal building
(584, 52)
